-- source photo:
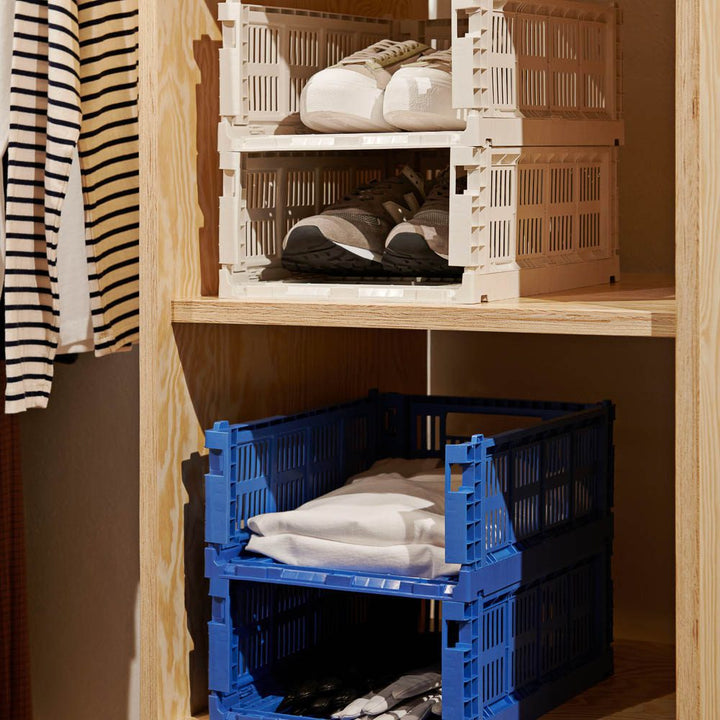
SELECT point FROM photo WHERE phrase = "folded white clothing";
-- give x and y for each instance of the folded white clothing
(395, 502)
(415, 560)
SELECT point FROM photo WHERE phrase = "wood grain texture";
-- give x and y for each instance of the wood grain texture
(642, 688)
(195, 375)
(698, 367)
(641, 306)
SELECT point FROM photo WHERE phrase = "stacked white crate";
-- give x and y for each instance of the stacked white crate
(541, 85)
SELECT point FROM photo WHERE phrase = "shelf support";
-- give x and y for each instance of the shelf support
(698, 360)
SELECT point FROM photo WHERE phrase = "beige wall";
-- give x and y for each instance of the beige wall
(647, 162)
(636, 375)
(80, 466)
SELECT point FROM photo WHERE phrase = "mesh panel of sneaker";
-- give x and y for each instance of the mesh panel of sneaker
(356, 217)
(437, 205)
(374, 229)
(432, 216)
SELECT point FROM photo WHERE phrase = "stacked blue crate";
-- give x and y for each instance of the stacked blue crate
(528, 620)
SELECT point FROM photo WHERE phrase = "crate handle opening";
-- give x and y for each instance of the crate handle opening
(453, 633)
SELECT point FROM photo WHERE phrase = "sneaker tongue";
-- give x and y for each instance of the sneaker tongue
(441, 59)
(414, 178)
(386, 53)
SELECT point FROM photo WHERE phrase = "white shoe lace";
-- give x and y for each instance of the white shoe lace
(385, 52)
(441, 59)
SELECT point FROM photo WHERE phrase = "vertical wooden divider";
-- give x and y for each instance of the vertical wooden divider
(697, 520)
(193, 375)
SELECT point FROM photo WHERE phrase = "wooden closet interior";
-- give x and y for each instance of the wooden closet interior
(655, 356)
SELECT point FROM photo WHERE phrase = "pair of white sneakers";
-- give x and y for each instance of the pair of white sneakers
(390, 85)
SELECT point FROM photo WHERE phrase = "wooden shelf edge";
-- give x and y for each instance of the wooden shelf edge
(642, 688)
(640, 306)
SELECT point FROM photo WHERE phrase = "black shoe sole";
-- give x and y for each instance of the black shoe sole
(408, 254)
(309, 251)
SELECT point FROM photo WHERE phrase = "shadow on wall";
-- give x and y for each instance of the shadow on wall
(80, 468)
(207, 92)
(197, 597)
(638, 374)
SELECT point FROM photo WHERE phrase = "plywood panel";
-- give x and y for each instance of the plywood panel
(642, 306)
(196, 375)
(638, 376)
(698, 370)
(642, 687)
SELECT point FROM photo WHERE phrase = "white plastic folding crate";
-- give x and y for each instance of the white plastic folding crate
(532, 220)
(526, 73)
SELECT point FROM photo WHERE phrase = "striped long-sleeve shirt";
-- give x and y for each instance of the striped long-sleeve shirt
(73, 84)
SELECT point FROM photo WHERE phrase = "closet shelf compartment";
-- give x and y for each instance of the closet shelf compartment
(638, 306)
(540, 87)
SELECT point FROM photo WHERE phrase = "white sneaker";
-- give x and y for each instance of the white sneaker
(348, 97)
(419, 95)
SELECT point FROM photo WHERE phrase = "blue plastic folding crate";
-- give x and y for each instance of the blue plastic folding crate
(530, 509)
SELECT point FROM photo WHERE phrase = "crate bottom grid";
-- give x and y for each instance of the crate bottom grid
(508, 132)
(474, 289)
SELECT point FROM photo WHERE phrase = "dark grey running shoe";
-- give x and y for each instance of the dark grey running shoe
(348, 238)
(420, 246)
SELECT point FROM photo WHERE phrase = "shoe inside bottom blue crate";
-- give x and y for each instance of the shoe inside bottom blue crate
(290, 651)
(311, 652)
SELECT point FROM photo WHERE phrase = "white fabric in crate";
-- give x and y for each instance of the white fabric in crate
(396, 502)
(389, 519)
(415, 560)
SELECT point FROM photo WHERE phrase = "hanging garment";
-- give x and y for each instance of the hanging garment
(73, 85)
(15, 700)
(76, 334)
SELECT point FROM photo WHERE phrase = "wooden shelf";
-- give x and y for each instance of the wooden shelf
(642, 688)
(639, 306)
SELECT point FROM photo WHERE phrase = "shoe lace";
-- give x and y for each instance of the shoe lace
(441, 59)
(384, 52)
(369, 192)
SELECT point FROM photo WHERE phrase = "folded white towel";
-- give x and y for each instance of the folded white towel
(389, 519)
(396, 502)
(415, 560)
